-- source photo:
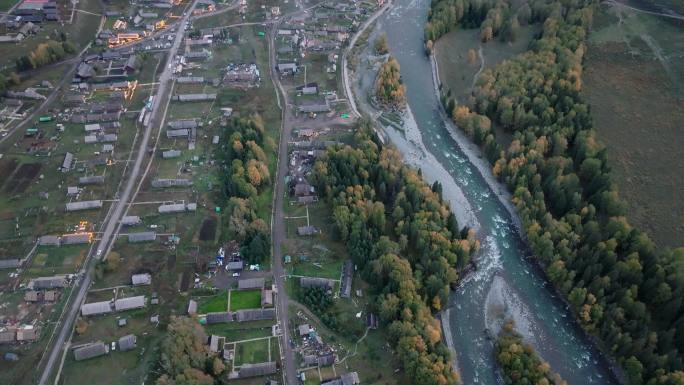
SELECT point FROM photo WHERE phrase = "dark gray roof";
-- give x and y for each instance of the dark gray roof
(145, 236)
(90, 350)
(171, 154)
(83, 205)
(314, 106)
(326, 359)
(345, 379)
(129, 303)
(9, 263)
(221, 317)
(237, 265)
(93, 179)
(131, 63)
(49, 282)
(127, 342)
(251, 283)
(49, 240)
(95, 308)
(161, 183)
(261, 369)
(255, 314)
(183, 123)
(347, 275)
(315, 282)
(307, 230)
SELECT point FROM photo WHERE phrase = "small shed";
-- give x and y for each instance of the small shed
(31, 296)
(127, 342)
(235, 266)
(141, 279)
(304, 330)
(192, 307)
(266, 298)
(304, 231)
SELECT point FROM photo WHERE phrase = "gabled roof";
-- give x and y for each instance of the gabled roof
(254, 314)
(251, 283)
(95, 308)
(9, 263)
(127, 342)
(129, 303)
(261, 369)
(220, 317)
(315, 282)
(192, 307)
(141, 279)
(90, 350)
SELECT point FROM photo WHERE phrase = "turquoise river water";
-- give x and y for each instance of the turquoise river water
(506, 284)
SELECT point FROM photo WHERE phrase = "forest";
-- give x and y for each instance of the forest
(405, 241)
(246, 175)
(389, 90)
(621, 287)
(519, 363)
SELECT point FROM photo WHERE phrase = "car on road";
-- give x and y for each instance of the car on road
(99, 252)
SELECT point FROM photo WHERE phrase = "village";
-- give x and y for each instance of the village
(70, 145)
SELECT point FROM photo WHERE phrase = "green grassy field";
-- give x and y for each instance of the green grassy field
(245, 299)
(634, 82)
(215, 303)
(7, 4)
(252, 352)
(233, 334)
(457, 73)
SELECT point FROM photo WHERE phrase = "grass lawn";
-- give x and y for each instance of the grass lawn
(323, 268)
(7, 4)
(251, 352)
(637, 104)
(456, 73)
(215, 303)
(233, 334)
(247, 299)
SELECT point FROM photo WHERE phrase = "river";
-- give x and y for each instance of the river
(506, 284)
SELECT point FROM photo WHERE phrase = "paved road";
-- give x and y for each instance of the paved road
(109, 233)
(277, 222)
(345, 71)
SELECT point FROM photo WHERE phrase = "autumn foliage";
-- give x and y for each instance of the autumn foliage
(520, 364)
(388, 87)
(621, 287)
(406, 242)
(246, 174)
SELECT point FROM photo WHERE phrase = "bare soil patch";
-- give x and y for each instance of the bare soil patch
(23, 177)
(208, 230)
